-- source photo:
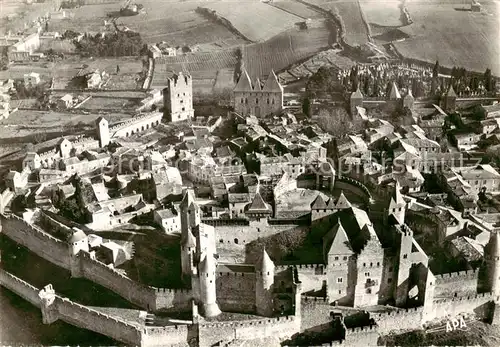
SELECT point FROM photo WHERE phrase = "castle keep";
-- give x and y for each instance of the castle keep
(256, 98)
(178, 98)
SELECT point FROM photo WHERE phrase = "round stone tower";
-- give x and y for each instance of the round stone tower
(264, 275)
(208, 293)
(492, 257)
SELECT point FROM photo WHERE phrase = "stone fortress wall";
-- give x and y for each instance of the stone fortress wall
(461, 283)
(55, 307)
(136, 125)
(310, 313)
(85, 265)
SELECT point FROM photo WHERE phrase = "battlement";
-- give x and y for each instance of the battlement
(82, 140)
(136, 119)
(171, 291)
(311, 299)
(33, 228)
(398, 313)
(471, 298)
(71, 304)
(164, 330)
(364, 329)
(404, 230)
(235, 274)
(47, 154)
(250, 323)
(180, 80)
(310, 266)
(6, 275)
(468, 274)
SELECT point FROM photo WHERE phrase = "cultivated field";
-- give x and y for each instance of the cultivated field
(329, 57)
(255, 20)
(356, 31)
(26, 123)
(455, 37)
(173, 21)
(296, 8)
(386, 13)
(285, 49)
(128, 77)
(205, 68)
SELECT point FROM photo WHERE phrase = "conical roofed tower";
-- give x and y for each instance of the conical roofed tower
(244, 83)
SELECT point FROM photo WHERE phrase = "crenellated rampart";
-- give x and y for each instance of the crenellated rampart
(400, 320)
(480, 305)
(280, 327)
(20, 287)
(173, 335)
(449, 285)
(36, 240)
(144, 296)
(315, 312)
(87, 318)
(362, 336)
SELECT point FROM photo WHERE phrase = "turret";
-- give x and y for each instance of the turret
(188, 251)
(78, 241)
(492, 257)
(102, 127)
(208, 293)
(264, 274)
(408, 100)
(450, 100)
(356, 101)
(397, 205)
(190, 212)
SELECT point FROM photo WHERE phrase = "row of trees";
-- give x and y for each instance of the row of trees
(118, 44)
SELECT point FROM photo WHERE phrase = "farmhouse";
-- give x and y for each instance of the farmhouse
(32, 78)
(257, 99)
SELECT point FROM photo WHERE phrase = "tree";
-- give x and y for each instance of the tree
(488, 80)
(336, 122)
(435, 70)
(306, 107)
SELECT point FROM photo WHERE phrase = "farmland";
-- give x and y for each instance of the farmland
(454, 37)
(387, 14)
(296, 8)
(286, 49)
(255, 20)
(128, 78)
(356, 31)
(203, 66)
(175, 22)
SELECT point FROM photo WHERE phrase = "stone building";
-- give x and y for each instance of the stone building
(256, 98)
(178, 98)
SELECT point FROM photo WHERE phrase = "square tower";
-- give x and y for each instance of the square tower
(178, 98)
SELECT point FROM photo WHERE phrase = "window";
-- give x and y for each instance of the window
(389, 280)
(345, 258)
(371, 264)
(405, 256)
(367, 274)
(336, 258)
(339, 279)
(257, 101)
(369, 291)
(364, 264)
(378, 263)
(236, 241)
(340, 292)
(390, 268)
